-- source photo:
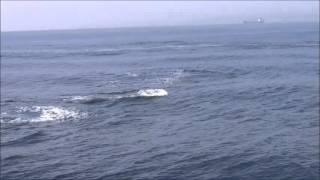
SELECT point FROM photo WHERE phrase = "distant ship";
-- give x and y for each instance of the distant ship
(258, 21)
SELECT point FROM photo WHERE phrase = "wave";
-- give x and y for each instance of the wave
(222, 73)
(149, 43)
(280, 45)
(43, 114)
(56, 53)
(150, 47)
(92, 99)
(33, 138)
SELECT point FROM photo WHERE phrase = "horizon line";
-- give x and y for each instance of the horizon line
(155, 26)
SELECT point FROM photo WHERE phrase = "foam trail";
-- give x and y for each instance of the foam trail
(91, 99)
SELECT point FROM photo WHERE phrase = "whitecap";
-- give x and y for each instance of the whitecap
(77, 98)
(46, 113)
(130, 74)
(152, 92)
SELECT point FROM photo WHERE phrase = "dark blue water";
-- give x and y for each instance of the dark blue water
(242, 103)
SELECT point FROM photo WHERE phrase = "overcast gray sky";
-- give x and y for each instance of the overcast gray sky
(37, 15)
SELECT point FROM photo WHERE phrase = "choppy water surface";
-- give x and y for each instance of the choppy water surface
(211, 102)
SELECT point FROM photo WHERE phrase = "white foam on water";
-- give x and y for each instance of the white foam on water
(130, 74)
(5, 117)
(91, 99)
(78, 98)
(152, 92)
(87, 99)
(75, 98)
(47, 113)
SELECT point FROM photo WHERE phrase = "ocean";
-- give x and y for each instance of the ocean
(223, 102)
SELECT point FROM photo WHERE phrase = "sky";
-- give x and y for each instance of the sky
(47, 15)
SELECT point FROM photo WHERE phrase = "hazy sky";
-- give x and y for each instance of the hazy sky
(37, 15)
